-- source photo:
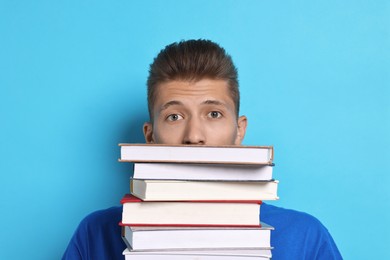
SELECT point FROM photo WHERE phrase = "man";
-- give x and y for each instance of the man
(193, 98)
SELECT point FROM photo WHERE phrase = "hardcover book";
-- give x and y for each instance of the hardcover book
(260, 155)
(187, 238)
(245, 213)
(167, 190)
(243, 254)
(181, 171)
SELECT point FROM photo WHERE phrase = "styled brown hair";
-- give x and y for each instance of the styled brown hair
(192, 60)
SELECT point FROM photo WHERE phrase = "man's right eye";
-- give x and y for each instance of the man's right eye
(174, 117)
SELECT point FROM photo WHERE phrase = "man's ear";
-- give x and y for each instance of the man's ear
(148, 133)
(241, 129)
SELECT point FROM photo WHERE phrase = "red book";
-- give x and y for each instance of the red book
(242, 213)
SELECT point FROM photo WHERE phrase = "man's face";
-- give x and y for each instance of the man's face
(199, 113)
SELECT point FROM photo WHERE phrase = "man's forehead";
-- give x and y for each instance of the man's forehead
(193, 88)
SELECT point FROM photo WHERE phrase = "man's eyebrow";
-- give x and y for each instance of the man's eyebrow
(213, 102)
(179, 103)
(171, 103)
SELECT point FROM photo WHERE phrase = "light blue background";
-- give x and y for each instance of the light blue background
(314, 82)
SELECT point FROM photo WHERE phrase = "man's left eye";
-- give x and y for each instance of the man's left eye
(214, 114)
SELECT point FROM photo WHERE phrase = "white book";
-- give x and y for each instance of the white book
(187, 238)
(180, 171)
(199, 255)
(190, 213)
(172, 190)
(260, 155)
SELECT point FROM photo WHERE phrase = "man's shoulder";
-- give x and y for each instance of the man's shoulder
(98, 236)
(282, 218)
(293, 223)
(103, 217)
(298, 235)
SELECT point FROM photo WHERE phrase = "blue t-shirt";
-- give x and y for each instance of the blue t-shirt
(297, 235)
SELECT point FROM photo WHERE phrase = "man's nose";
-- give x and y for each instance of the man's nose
(194, 132)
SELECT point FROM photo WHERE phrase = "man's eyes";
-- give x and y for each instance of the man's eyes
(214, 114)
(174, 117)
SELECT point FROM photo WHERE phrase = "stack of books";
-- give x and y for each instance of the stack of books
(197, 202)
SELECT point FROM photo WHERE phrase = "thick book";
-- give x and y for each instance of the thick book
(168, 190)
(242, 254)
(181, 171)
(186, 238)
(245, 213)
(260, 155)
